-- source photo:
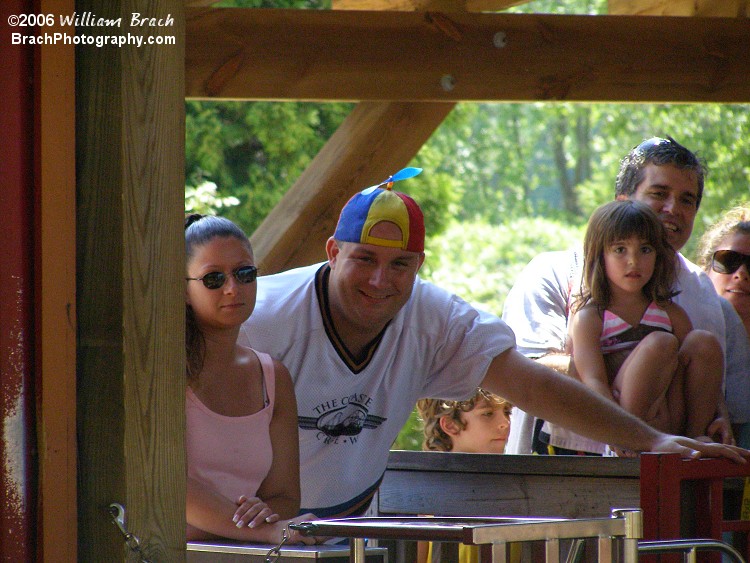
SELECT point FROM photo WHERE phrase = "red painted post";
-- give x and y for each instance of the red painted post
(662, 476)
(17, 445)
(650, 495)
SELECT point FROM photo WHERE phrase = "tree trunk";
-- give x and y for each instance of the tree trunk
(560, 131)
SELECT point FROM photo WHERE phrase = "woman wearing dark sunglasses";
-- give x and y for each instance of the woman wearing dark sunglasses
(242, 442)
(725, 256)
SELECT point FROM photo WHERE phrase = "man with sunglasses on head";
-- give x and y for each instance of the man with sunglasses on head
(364, 338)
(669, 178)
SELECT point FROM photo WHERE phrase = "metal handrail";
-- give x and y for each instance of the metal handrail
(690, 547)
(624, 526)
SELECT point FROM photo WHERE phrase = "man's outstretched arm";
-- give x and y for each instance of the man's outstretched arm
(563, 400)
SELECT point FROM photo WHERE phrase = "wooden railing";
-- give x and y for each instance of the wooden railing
(456, 484)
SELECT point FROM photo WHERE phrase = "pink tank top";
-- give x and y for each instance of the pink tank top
(231, 454)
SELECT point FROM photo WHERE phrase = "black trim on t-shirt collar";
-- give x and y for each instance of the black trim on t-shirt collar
(354, 364)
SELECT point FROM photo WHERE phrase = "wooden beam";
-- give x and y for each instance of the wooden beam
(417, 5)
(400, 5)
(702, 8)
(56, 293)
(131, 264)
(374, 141)
(413, 56)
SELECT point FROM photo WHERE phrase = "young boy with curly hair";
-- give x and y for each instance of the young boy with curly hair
(480, 424)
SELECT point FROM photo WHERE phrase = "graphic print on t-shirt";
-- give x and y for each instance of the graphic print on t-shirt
(341, 420)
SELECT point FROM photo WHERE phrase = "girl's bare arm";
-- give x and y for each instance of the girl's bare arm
(585, 328)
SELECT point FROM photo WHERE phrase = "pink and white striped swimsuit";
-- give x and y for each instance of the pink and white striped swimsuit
(617, 335)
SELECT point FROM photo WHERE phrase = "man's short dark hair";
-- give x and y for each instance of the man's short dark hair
(657, 151)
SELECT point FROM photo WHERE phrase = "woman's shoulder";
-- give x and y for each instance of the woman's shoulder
(270, 367)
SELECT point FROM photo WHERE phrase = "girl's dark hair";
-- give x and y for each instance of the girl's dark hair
(616, 221)
(200, 229)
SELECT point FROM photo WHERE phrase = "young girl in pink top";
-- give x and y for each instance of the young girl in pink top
(242, 443)
(626, 334)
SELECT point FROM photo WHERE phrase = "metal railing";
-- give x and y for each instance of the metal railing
(617, 537)
(624, 527)
(690, 548)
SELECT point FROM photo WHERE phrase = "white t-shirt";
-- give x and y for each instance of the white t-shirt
(536, 308)
(436, 346)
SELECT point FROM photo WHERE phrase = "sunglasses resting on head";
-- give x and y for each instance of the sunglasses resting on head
(216, 280)
(652, 142)
(729, 261)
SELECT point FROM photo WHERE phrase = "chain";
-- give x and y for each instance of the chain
(275, 552)
(117, 513)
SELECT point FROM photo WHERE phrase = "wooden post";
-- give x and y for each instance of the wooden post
(55, 267)
(130, 192)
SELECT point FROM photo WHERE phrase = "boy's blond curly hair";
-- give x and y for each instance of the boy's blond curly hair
(432, 410)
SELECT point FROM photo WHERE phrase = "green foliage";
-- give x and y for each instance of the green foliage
(410, 437)
(480, 262)
(254, 151)
(590, 7)
(509, 160)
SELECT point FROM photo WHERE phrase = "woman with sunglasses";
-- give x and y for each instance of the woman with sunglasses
(242, 442)
(724, 253)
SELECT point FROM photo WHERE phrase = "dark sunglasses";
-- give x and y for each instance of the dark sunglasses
(729, 261)
(216, 280)
(649, 144)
